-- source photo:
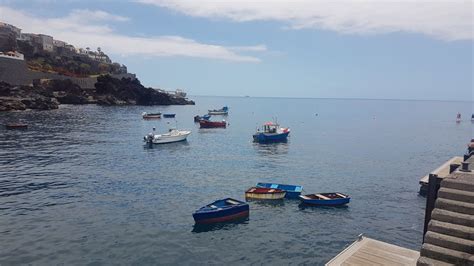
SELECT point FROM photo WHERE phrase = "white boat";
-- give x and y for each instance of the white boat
(173, 135)
(223, 111)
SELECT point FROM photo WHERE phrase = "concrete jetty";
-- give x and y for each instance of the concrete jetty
(449, 237)
(367, 251)
(442, 172)
(449, 223)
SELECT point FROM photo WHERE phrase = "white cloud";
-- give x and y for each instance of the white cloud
(256, 48)
(87, 28)
(447, 20)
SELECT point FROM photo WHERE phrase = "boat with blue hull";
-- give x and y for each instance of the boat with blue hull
(271, 132)
(221, 211)
(169, 115)
(326, 199)
(292, 191)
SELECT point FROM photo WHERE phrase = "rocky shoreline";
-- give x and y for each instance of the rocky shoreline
(108, 91)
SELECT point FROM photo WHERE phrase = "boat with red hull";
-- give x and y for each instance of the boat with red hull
(16, 126)
(219, 211)
(212, 124)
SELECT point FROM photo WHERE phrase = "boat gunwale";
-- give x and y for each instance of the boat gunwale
(207, 208)
(276, 190)
(287, 185)
(338, 194)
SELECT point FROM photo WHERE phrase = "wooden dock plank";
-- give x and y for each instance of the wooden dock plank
(366, 251)
(383, 255)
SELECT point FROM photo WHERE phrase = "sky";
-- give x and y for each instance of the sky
(273, 48)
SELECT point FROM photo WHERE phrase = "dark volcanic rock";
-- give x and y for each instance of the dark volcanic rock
(10, 104)
(40, 102)
(67, 92)
(109, 91)
(112, 91)
(24, 97)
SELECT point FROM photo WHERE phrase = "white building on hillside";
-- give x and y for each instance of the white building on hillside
(12, 55)
(58, 43)
(46, 42)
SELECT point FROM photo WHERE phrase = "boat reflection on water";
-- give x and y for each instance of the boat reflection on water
(267, 203)
(304, 206)
(272, 148)
(201, 228)
(175, 146)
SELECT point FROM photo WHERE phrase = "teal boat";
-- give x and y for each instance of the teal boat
(292, 191)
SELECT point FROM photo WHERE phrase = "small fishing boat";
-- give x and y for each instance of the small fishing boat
(16, 126)
(326, 199)
(204, 117)
(292, 191)
(173, 135)
(146, 115)
(223, 210)
(271, 132)
(223, 111)
(169, 115)
(212, 124)
(264, 193)
(472, 118)
(458, 118)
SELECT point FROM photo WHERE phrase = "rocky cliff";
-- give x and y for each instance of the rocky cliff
(112, 91)
(25, 97)
(108, 91)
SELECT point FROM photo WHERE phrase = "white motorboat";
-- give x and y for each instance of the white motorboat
(223, 111)
(173, 135)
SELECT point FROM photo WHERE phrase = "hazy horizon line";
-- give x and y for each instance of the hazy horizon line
(333, 98)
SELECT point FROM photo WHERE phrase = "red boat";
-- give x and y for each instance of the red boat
(16, 126)
(212, 124)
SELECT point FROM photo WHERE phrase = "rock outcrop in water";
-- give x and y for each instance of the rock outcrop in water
(109, 91)
(25, 97)
(125, 91)
(67, 92)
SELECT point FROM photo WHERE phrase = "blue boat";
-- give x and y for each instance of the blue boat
(169, 115)
(325, 199)
(271, 132)
(221, 211)
(292, 191)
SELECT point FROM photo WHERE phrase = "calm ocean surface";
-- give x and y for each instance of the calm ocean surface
(79, 186)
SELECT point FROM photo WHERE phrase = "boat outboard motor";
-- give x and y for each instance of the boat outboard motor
(149, 138)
